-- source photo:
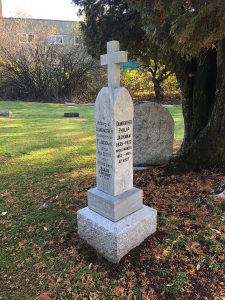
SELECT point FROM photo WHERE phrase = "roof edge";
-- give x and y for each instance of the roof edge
(16, 18)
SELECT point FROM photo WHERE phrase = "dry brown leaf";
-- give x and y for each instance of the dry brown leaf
(44, 296)
(118, 291)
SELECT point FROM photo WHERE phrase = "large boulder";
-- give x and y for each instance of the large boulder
(153, 134)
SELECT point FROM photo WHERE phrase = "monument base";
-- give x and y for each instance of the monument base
(117, 207)
(113, 240)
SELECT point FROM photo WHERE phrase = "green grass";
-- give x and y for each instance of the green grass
(42, 154)
(176, 112)
(44, 157)
(39, 138)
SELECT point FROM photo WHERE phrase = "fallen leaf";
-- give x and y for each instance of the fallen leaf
(62, 240)
(44, 296)
(118, 291)
(44, 206)
(215, 230)
(22, 243)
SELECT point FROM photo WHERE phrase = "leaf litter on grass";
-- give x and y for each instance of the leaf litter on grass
(184, 259)
(43, 188)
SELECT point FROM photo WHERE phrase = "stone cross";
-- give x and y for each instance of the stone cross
(112, 59)
(115, 220)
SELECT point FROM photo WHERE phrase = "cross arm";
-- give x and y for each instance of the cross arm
(114, 58)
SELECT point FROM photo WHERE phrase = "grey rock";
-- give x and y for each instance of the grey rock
(115, 220)
(113, 240)
(115, 207)
(153, 134)
(114, 140)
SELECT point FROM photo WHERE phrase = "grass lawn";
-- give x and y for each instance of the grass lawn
(176, 112)
(47, 163)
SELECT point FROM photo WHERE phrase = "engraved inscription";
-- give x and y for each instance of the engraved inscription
(124, 141)
(114, 141)
(104, 149)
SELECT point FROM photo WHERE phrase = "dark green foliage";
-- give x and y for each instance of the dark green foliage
(187, 36)
(173, 289)
(192, 34)
(185, 27)
(115, 20)
(112, 20)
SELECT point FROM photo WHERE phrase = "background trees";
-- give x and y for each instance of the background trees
(114, 19)
(44, 72)
(33, 69)
(190, 38)
(192, 34)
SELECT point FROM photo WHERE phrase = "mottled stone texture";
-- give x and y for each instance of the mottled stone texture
(113, 240)
(153, 134)
(115, 207)
(114, 140)
(115, 220)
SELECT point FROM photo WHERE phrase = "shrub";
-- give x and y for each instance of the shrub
(139, 83)
(43, 71)
(33, 69)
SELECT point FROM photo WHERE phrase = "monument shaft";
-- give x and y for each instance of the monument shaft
(114, 141)
(115, 220)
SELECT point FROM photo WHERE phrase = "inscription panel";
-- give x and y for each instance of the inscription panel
(114, 141)
(104, 139)
(123, 142)
(124, 154)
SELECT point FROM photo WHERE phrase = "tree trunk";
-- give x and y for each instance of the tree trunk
(158, 90)
(203, 85)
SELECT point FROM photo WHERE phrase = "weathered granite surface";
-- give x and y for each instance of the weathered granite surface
(113, 240)
(153, 134)
(5, 114)
(112, 60)
(114, 140)
(115, 220)
(115, 207)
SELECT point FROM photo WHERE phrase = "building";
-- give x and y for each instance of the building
(55, 32)
(1, 13)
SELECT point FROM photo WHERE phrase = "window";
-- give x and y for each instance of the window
(55, 40)
(26, 38)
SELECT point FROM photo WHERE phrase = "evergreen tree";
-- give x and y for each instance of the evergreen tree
(114, 20)
(188, 36)
(192, 33)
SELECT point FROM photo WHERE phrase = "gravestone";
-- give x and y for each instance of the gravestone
(69, 103)
(5, 114)
(153, 134)
(71, 115)
(115, 220)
